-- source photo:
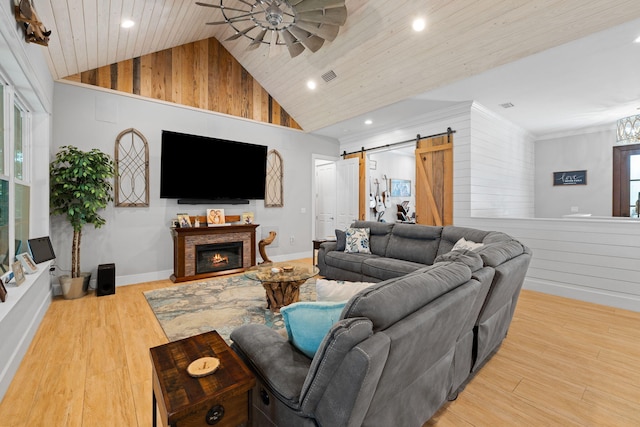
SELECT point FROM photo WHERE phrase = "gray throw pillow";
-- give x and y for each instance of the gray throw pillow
(341, 240)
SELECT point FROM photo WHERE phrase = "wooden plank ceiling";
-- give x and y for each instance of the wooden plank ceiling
(377, 57)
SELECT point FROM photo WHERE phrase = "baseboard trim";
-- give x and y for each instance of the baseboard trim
(596, 296)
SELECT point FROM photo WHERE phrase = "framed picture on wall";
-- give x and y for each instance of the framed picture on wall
(400, 187)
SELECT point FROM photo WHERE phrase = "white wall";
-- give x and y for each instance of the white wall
(591, 151)
(501, 168)
(138, 240)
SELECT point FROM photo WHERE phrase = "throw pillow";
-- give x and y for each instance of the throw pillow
(466, 244)
(357, 240)
(341, 240)
(308, 322)
(338, 290)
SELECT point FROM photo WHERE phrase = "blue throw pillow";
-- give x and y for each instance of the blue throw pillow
(307, 323)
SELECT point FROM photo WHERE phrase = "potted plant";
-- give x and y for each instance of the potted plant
(80, 187)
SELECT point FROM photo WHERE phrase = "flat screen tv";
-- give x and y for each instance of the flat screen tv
(197, 169)
(41, 249)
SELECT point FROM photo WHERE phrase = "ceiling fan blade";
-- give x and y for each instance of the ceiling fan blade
(326, 31)
(299, 33)
(295, 48)
(239, 34)
(228, 21)
(219, 7)
(313, 43)
(257, 41)
(335, 16)
(308, 5)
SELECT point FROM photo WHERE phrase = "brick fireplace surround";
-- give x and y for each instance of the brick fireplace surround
(185, 241)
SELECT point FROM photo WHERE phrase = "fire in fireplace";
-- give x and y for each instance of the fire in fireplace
(218, 257)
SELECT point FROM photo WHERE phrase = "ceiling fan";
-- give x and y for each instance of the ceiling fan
(298, 24)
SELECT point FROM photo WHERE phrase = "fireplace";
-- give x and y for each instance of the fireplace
(185, 255)
(215, 257)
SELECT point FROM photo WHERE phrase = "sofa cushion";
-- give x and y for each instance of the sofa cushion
(347, 261)
(357, 240)
(388, 268)
(494, 254)
(387, 302)
(468, 257)
(308, 322)
(340, 339)
(379, 233)
(341, 240)
(413, 242)
(338, 290)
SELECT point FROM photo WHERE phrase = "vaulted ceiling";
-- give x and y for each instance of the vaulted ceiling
(380, 63)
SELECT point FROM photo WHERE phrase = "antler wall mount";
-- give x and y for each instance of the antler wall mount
(296, 24)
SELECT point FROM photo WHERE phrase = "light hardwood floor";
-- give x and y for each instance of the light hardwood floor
(564, 363)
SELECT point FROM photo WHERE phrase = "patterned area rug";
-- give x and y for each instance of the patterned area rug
(222, 304)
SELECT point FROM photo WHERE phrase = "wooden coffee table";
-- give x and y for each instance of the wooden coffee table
(221, 398)
(283, 286)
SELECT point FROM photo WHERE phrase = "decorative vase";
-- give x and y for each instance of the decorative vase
(75, 287)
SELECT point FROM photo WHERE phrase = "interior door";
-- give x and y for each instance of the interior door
(434, 180)
(325, 200)
(347, 191)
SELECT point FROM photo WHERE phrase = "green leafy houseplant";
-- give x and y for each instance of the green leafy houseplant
(80, 187)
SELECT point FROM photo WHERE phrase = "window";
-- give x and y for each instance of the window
(15, 181)
(626, 180)
(634, 185)
(21, 188)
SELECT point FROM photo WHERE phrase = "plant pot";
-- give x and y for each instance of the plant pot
(75, 287)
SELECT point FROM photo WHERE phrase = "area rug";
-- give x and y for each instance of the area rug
(220, 304)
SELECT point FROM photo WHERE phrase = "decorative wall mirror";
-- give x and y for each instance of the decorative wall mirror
(273, 197)
(131, 169)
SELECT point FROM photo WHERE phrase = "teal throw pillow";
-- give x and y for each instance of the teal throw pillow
(307, 323)
(357, 240)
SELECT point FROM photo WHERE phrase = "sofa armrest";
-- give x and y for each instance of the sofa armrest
(272, 357)
(328, 246)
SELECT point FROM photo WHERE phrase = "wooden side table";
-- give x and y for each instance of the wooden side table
(220, 399)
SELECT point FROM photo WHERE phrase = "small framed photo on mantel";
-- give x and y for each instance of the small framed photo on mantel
(28, 264)
(215, 217)
(18, 272)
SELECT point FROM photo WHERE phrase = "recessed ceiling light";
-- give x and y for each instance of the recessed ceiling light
(368, 122)
(127, 23)
(419, 24)
(311, 84)
(637, 40)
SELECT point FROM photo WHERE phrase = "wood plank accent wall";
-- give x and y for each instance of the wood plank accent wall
(201, 74)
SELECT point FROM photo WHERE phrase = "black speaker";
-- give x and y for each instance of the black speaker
(106, 280)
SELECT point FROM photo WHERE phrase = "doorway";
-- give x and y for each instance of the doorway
(336, 186)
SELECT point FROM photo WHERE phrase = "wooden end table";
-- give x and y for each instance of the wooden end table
(222, 398)
(282, 287)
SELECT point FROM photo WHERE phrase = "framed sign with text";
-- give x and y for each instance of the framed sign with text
(570, 178)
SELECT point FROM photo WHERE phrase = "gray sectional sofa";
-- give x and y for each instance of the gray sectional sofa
(402, 346)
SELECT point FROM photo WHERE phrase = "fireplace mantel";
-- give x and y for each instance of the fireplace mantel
(185, 241)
